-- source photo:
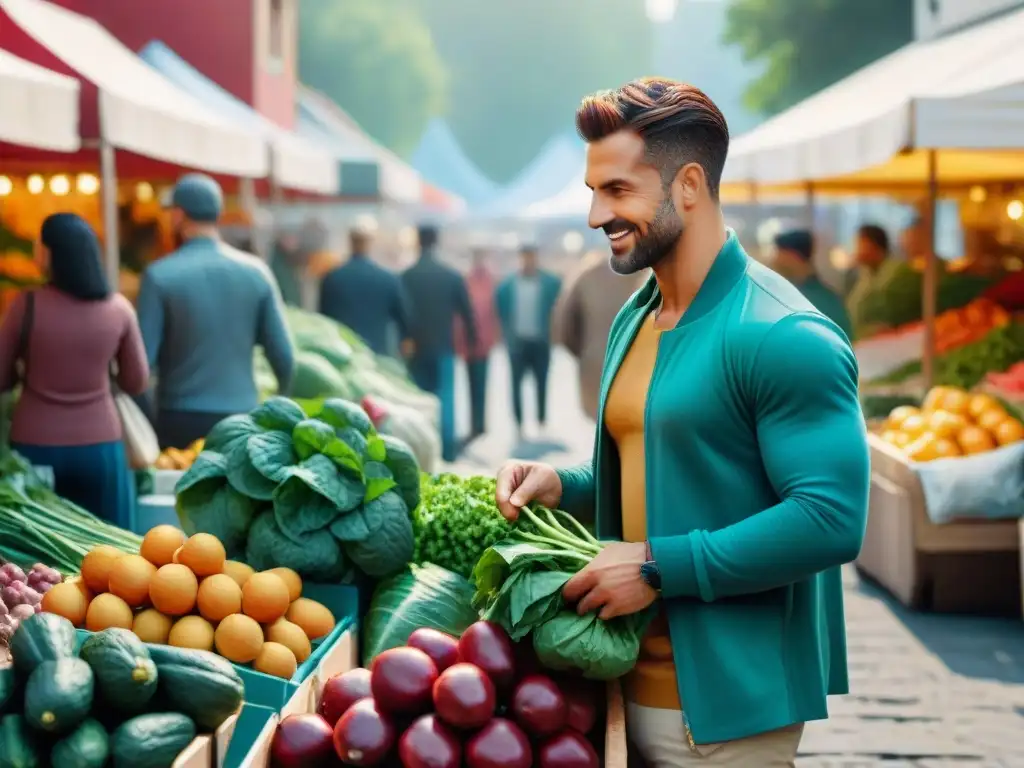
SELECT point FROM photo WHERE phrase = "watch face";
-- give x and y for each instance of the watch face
(650, 573)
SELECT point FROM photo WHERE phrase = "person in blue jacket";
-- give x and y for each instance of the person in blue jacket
(525, 303)
(203, 310)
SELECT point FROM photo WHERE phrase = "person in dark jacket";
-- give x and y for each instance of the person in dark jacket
(795, 262)
(203, 310)
(366, 297)
(437, 294)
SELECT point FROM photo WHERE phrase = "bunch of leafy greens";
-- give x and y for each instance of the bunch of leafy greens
(315, 494)
(519, 585)
(457, 520)
(421, 596)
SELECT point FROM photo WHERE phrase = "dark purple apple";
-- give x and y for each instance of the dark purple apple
(429, 743)
(402, 680)
(464, 696)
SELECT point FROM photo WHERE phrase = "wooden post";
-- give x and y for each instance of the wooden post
(931, 273)
(108, 193)
(809, 206)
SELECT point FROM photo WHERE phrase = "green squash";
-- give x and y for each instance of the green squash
(58, 695)
(39, 638)
(151, 741)
(88, 746)
(19, 744)
(200, 684)
(125, 674)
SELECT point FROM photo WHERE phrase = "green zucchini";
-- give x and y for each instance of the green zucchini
(151, 741)
(125, 674)
(58, 695)
(88, 746)
(39, 638)
(200, 684)
(19, 744)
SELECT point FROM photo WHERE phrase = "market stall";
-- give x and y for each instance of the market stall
(47, 117)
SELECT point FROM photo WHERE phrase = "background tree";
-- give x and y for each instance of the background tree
(375, 58)
(807, 45)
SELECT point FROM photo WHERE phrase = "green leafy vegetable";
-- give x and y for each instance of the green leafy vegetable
(206, 503)
(299, 510)
(278, 413)
(271, 454)
(421, 596)
(602, 650)
(312, 436)
(228, 430)
(355, 440)
(343, 413)
(243, 476)
(399, 458)
(367, 520)
(318, 557)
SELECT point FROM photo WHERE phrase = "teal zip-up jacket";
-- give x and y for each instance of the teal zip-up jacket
(757, 490)
(505, 302)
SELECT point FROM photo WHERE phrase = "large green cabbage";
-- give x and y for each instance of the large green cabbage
(205, 502)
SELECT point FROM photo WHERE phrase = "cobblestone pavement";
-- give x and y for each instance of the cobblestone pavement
(907, 708)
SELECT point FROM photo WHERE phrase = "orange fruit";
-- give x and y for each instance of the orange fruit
(314, 618)
(219, 597)
(923, 448)
(129, 579)
(172, 590)
(292, 580)
(944, 424)
(933, 400)
(1009, 431)
(990, 419)
(107, 611)
(160, 543)
(981, 403)
(239, 638)
(151, 626)
(290, 635)
(240, 572)
(914, 425)
(277, 660)
(66, 599)
(974, 440)
(192, 632)
(956, 401)
(204, 554)
(265, 597)
(96, 567)
(899, 414)
(946, 448)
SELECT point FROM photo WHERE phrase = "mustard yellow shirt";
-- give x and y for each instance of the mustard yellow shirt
(652, 683)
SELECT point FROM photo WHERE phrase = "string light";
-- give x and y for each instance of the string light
(144, 192)
(87, 184)
(6, 186)
(1015, 210)
(35, 184)
(60, 185)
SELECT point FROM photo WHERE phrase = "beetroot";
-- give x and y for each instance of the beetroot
(341, 692)
(488, 646)
(429, 743)
(539, 706)
(402, 680)
(442, 648)
(364, 735)
(568, 750)
(302, 740)
(464, 696)
(499, 744)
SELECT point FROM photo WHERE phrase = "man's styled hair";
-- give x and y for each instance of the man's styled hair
(876, 235)
(678, 123)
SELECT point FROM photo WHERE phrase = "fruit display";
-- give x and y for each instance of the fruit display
(480, 701)
(178, 459)
(21, 594)
(322, 493)
(183, 593)
(1009, 382)
(968, 324)
(951, 422)
(113, 701)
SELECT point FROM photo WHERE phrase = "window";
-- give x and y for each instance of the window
(277, 27)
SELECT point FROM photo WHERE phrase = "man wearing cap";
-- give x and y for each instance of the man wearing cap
(437, 294)
(203, 310)
(366, 297)
(795, 261)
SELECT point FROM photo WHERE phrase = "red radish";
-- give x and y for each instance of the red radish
(499, 744)
(464, 696)
(539, 706)
(402, 680)
(442, 648)
(341, 692)
(568, 750)
(363, 735)
(428, 743)
(581, 699)
(302, 740)
(486, 645)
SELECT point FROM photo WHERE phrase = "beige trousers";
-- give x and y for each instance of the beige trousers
(660, 737)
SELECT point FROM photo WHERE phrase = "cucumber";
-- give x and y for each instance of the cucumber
(8, 686)
(151, 741)
(125, 674)
(19, 745)
(200, 684)
(39, 638)
(88, 746)
(58, 695)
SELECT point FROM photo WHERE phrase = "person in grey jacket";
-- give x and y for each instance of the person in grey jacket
(437, 295)
(203, 310)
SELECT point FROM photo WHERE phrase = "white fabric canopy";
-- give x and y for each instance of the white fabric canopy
(960, 92)
(573, 202)
(46, 115)
(140, 110)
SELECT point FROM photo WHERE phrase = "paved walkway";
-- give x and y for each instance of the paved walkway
(927, 691)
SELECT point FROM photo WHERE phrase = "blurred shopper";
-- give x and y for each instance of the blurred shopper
(71, 338)
(795, 261)
(525, 302)
(203, 311)
(366, 297)
(286, 260)
(481, 284)
(589, 302)
(730, 474)
(437, 295)
(879, 274)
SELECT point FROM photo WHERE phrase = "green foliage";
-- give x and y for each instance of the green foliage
(378, 61)
(807, 45)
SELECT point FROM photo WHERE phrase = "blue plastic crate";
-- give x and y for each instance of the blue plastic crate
(151, 511)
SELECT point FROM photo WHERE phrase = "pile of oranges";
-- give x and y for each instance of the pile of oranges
(951, 422)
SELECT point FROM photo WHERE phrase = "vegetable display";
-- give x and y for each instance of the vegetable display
(38, 526)
(114, 702)
(322, 494)
(519, 585)
(183, 593)
(487, 710)
(177, 458)
(21, 594)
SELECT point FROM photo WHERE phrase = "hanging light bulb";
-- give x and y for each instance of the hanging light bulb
(144, 192)
(87, 184)
(35, 184)
(977, 194)
(1015, 210)
(6, 186)
(60, 185)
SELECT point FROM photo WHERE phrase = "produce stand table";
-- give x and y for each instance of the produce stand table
(971, 565)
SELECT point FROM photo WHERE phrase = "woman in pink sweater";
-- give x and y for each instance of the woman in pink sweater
(63, 343)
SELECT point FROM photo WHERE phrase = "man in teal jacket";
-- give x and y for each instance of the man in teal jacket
(731, 457)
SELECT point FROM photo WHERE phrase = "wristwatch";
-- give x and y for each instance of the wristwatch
(650, 572)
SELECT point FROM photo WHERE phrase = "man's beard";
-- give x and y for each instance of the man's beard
(655, 246)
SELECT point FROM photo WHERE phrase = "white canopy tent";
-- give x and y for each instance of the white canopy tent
(47, 113)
